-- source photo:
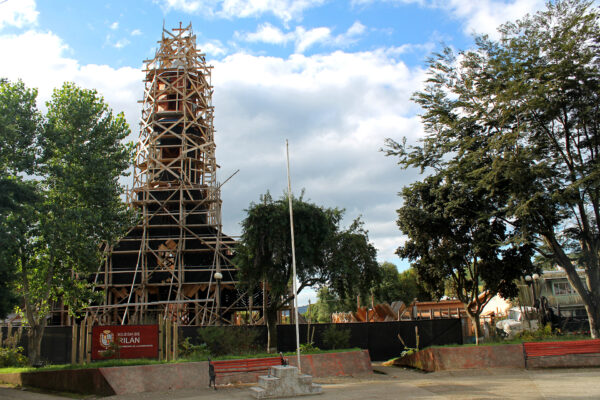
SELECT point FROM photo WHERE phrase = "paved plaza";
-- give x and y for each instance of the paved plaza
(397, 383)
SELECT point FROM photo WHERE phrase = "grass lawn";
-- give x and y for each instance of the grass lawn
(500, 342)
(142, 361)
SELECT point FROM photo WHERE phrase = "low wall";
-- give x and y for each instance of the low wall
(85, 381)
(503, 356)
(444, 358)
(164, 377)
(350, 363)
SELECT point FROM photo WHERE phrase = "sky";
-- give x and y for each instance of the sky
(333, 77)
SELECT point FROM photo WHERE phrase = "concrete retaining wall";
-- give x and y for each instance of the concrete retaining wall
(500, 356)
(85, 381)
(444, 358)
(350, 363)
(164, 377)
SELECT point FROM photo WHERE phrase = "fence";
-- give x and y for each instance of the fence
(380, 338)
(65, 344)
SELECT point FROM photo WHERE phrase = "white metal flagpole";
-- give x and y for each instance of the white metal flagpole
(294, 287)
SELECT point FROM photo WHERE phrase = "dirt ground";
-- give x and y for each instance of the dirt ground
(397, 383)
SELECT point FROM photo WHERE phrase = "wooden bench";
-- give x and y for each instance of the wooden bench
(222, 367)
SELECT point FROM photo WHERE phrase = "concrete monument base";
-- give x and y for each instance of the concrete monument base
(284, 381)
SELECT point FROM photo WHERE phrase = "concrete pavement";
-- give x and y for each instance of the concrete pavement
(397, 383)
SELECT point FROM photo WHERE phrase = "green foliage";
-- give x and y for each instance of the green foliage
(336, 338)
(228, 340)
(512, 147)
(327, 303)
(308, 348)
(325, 255)
(540, 334)
(59, 196)
(12, 357)
(404, 286)
(265, 252)
(190, 351)
(351, 256)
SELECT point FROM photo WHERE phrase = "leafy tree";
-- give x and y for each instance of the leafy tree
(19, 129)
(352, 265)
(74, 200)
(327, 303)
(324, 254)
(455, 238)
(527, 107)
(404, 286)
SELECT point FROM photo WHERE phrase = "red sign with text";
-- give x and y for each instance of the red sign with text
(124, 341)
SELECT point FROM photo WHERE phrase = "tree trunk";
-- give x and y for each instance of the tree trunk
(589, 295)
(593, 319)
(475, 320)
(271, 318)
(34, 342)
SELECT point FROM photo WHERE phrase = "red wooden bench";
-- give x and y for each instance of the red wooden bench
(541, 349)
(245, 365)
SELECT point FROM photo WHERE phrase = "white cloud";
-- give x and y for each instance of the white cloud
(18, 13)
(484, 16)
(481, 16)
(302, 37)
(267, 33)
(120, 87)
(307, 38)
(213, 47)
(119, 44)
(286, 10)
(114, 26)
(136, 32)
(336, 110)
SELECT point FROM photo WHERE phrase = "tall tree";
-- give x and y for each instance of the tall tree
(19, 133)
(404, 286)
(351, 255)
(528, 106)
(264, 255)
(327, 303)
(77, 206)
(455, 238)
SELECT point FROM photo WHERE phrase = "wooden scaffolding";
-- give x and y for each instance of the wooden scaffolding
(176, 263)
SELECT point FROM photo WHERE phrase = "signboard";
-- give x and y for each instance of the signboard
(124, 341)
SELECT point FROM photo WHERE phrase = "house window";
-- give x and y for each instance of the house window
(562, 288)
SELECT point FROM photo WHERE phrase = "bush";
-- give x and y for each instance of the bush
(12, 357)
(539, 334)
(228, 340)
(336, 338)
(308, 348)
(193, 351)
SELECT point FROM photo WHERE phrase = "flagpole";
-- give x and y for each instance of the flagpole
(295, 289)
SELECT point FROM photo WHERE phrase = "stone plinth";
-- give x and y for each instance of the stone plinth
(284, 381)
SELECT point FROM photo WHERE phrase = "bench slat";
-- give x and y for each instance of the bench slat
(562, 348)
(246, 365)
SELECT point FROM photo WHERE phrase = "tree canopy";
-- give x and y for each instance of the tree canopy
(404, 286)
(325, 254)
(518, 120)
(64, 198)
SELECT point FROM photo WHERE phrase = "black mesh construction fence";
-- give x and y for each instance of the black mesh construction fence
(56, 343)
(380, 338)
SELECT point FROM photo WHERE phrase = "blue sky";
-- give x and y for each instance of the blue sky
(333, 77)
